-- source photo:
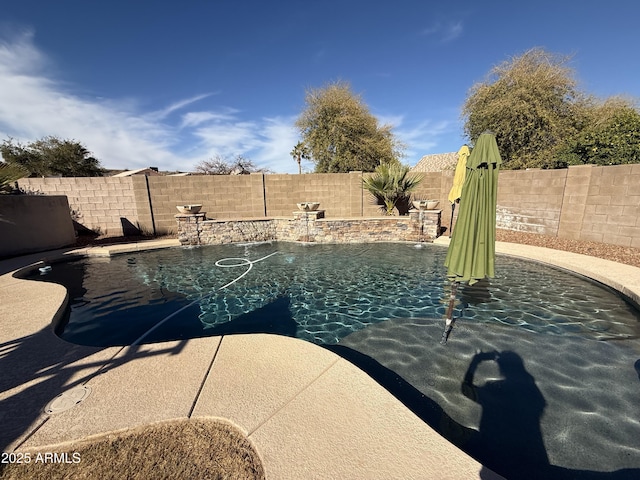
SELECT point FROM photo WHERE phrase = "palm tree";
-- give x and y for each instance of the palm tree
(392, 185)
(299, 152)
(9, 173)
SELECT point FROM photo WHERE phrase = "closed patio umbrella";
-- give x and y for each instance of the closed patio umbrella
(472, 250)
(458, 181)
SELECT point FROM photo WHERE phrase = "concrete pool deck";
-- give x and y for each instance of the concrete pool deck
(309, 412)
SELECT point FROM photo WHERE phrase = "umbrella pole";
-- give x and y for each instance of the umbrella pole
(453, 209)
(448, 326)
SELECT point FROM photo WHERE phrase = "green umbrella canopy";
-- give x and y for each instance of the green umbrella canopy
(472, 250)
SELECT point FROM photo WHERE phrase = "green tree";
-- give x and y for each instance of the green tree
(392, 185)
(532, 105)
(9, 173)
(611, 135)
(341, 134)
(50, 157)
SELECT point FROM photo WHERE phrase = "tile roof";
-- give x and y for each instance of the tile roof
(436, 162)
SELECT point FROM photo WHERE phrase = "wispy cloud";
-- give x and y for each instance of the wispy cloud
(319, 55)
(228, 138)
(393, 120)
(193, 119)
(444, 32)
(452, 31)
(34, 104)
(277, 140)
(425, 137)
(20, 55)
(421, 138)
(268, 141)
(179, 105)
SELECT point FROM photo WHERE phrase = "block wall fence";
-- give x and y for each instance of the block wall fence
(582, 202)
(34, 223)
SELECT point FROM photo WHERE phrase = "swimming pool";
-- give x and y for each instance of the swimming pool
(554, 392)
(320, 293)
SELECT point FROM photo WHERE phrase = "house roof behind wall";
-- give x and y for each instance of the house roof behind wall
(140, 171)
(436, 162)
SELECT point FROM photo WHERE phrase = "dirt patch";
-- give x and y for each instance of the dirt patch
(616, 253)
(185, 449)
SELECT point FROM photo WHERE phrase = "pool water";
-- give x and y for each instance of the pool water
(321, 293)
(540, 378)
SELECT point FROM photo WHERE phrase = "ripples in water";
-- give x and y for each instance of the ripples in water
(330, 291)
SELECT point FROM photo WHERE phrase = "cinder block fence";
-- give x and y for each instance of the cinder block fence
(581, 202)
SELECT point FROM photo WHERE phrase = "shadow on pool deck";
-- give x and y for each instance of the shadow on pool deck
(59, 366)
(40, 367)
(47, 373)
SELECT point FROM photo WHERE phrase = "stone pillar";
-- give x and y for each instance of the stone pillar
(426, 224)
(311, 215)
(305, 224)
(190, 227)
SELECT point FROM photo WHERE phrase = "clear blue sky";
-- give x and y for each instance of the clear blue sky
(168, 84)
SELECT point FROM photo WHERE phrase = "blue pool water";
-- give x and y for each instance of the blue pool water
(320, 293)
(540, 378)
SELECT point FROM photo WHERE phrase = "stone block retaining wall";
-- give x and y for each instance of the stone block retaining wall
(417, 227)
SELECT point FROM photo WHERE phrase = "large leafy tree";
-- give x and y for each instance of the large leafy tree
(610, 136)
(531, 103)
(340, 133)
(52, 157)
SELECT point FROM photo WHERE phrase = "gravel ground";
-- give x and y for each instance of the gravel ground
(616, 253)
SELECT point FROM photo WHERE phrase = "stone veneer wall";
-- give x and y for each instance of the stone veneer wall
(417, 227)
(197, 230)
